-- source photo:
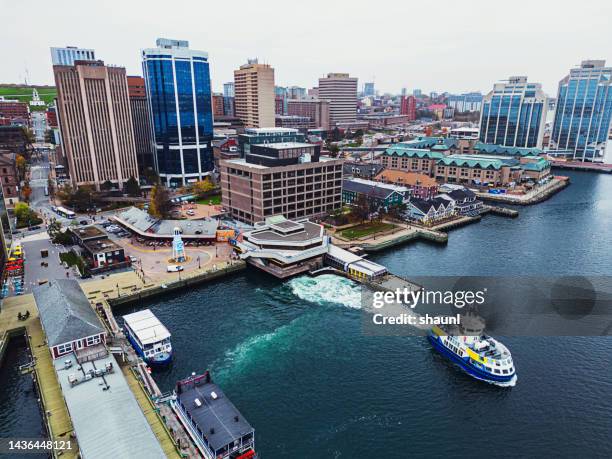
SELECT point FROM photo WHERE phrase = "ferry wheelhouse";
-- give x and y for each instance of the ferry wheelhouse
(479, 355)
(212, 421)
(149, 337)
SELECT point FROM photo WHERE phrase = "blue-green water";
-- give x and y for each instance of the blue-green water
(293, 358)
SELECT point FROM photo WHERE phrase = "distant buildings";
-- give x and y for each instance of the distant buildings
(178, 86)
(96, 123)
(341, 91)
(408, 107)
(228, 99)
(368, 89)
(317, 110)
(293, 121)
(469, 102)
(70, 54)
(218, 102)
(281, 179)
(254, 94)
(141, 122)
(584, 112)
(11, 109)
(514, 114)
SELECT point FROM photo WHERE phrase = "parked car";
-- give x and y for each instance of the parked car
(191, 213)
(83, 222)
(133, 259)
(173, 268)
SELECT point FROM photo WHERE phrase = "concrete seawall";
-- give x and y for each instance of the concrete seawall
(160, 289)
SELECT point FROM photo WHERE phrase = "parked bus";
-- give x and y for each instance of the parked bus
(65, 212)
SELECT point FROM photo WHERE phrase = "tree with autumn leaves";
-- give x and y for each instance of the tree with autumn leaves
(159, 203)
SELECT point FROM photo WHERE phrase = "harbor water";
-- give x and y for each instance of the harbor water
(292, 356)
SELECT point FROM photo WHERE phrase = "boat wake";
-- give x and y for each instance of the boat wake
(326, 289)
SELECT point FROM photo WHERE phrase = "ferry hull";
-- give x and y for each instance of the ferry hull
(161, 360)
(467, 367)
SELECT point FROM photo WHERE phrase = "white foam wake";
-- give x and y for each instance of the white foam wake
(327, 288)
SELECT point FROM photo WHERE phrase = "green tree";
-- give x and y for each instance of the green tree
(82, 198)
(333, 150)
(106, 186)
(132, 188)
(159, 205)
(26, 191)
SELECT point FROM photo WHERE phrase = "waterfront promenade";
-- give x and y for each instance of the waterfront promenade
(534, 196)
(55, 414)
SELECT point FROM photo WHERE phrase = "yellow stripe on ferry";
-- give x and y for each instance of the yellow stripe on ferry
(475, 356)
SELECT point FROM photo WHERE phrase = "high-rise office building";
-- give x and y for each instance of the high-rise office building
(178, 88)
(254, 94)
(368, 89)
(96, 123)
(341, 91)
(218, 105)
(69, 54)
(228, 99)
(141, 121)
(514, 114)
(584, 112)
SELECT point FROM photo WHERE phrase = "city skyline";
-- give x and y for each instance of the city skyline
(301, 47)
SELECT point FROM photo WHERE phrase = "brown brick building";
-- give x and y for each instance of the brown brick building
(287, 179)
(315, 109)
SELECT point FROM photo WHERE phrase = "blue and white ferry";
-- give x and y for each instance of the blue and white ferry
(149, 337)
(479, 355)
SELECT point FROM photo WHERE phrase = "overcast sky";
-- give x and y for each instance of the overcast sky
(442, 45)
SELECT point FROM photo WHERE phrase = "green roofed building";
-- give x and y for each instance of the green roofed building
(411, 159)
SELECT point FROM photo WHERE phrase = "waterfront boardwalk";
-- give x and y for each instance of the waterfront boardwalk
(534, 196)
(56, 415)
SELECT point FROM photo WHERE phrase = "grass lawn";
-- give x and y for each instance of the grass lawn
(366, 229)
(24, 94)
(215, 200)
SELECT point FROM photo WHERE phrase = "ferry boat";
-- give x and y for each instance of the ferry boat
(149, 337)
(479, 355)
(215, 425)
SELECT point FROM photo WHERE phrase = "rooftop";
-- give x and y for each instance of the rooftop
(218, 419)
(404, 150)
(285, 231)
(101, 245)
(88, 232)
(105, 414)
(373, 189)
(284, 145)
(146, 326)
(65, 312)
(143, 223)
(510, 151)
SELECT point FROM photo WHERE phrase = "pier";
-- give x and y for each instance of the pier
(583, 166)
(534, 196)
(54, 412)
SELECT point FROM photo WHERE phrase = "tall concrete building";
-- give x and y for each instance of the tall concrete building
(69, 54)
(96, 123)
(584, 113)
(408, 107)
(315, 109)
(514, 114)
(141, 121)
(341, 91)
(179, 94)
(254, 94)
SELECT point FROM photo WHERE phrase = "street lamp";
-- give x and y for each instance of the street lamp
(199, 265)
(118, 294)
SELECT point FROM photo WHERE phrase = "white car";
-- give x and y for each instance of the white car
(173, 268)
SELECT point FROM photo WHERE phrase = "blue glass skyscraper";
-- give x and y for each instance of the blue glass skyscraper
(584, 112)
(178, 89)
(514, 114)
